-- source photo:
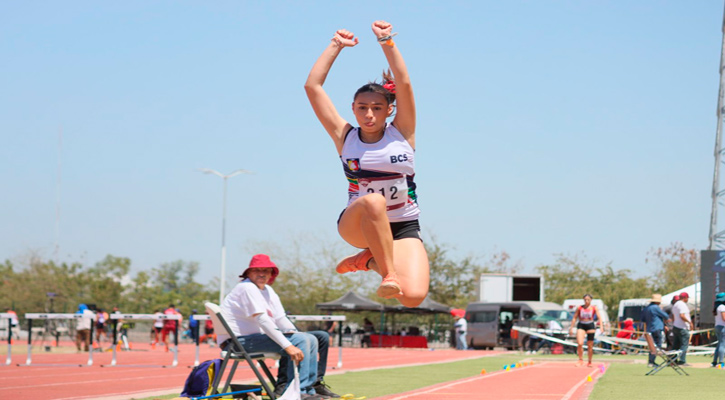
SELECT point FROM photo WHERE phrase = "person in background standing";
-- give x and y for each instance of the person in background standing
(83, 327)
(719, 354)
(682, 327)
(461, 326)
(654, 319)
(193, 326)
(586, 328)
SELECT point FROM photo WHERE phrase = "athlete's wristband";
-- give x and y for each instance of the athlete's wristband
(387, 40)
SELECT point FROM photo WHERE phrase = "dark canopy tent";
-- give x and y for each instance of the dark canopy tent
(351, 301)
(427, 306)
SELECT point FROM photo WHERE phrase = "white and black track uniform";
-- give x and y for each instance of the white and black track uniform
(386, 167)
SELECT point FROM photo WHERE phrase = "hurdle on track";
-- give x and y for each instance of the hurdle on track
(30, 317)
(9, 317)
(116, 316)
(325, 318)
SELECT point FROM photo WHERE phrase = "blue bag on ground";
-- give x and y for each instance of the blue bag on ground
(200, 380)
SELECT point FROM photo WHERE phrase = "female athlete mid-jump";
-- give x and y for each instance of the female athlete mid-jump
(378, 158)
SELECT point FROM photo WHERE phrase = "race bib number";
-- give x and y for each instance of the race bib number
(394, 189)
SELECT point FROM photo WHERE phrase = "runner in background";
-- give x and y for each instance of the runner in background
(156, 330)
(585, 314)
(381, 215)
(101, 335)
(169, 325)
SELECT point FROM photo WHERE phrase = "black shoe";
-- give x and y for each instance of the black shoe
(279, 390)
(305, 396)
(322, 389)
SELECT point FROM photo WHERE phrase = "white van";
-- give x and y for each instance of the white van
(632, 308)
(572, 304)
(489, 324)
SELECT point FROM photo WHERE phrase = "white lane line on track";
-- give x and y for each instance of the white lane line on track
(573, 390)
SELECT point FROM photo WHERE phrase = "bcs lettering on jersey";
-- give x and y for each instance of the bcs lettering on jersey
(398, 158)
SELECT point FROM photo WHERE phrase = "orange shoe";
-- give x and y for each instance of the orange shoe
(390, 287)
(357, 262)
(580, 363)
(589, 365)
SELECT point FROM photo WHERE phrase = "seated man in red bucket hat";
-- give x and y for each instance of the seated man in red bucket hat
(258, 319)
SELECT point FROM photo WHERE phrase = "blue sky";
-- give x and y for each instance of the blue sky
(544, 127)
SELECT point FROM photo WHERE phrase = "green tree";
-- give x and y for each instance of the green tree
(452, 282)
(675, 267)
(573, 277)
(104, 281)
(307, 272)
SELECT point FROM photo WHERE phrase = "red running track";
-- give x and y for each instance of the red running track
(549, 380)
(140, 373)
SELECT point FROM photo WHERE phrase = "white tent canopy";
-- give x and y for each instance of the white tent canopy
(693, 290)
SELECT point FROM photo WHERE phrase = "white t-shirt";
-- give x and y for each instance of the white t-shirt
(680, 308)
(159, 323)
(461, 325)
(85, 322)
(553, 325)
(246, 300)
(718, 316)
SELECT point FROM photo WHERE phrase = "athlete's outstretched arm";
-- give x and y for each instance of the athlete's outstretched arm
(331, 120)
(404, 119)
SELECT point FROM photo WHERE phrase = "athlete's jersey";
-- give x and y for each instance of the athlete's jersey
(586, 315)
(386, 167)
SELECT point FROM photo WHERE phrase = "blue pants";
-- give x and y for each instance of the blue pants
(657, 338)
(720, 351)
(261, 343)
(682, 342)
(461, 341)
(323, 344)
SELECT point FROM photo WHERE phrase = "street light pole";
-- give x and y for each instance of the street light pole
(224, 223)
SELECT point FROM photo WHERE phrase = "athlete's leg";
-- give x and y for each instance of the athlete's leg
(590, 344)
(590, 350)
(580, 334)
(411, 266)
(365, 224)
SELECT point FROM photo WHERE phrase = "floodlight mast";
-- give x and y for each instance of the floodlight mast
(224, 224)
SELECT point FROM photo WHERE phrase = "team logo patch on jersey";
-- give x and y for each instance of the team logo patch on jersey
(353, 164)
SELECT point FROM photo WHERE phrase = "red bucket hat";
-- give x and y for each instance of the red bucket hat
(262, 261)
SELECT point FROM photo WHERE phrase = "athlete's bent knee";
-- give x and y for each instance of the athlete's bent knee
(374, 203)
(411, 301)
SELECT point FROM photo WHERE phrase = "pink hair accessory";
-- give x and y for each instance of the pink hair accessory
(390, 87)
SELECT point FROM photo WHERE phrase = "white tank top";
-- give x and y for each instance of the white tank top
(386, 167)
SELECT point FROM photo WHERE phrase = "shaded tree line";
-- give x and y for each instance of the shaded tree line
(307, 277)
(44, 286)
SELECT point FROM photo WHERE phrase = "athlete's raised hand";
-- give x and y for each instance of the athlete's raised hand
(382, 29)
(345, 38)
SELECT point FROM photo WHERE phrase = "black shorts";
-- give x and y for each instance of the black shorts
(401, 230)
(589, 326)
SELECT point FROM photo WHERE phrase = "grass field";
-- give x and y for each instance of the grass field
(628, 381)
(623, 379)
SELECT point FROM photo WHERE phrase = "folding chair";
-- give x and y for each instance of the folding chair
(235, 351)
(669, 358)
